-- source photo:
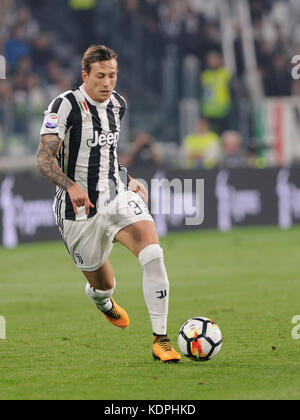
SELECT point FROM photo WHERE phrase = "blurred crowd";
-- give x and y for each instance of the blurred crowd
(43, 56)
(276, 26)
(35, 73)
(203, 149)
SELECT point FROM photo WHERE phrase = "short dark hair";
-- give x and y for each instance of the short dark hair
(97, 53)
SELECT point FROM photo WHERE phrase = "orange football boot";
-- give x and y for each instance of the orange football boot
(116, 315)
(162, 350)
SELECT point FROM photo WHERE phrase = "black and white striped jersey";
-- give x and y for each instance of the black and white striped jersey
(90, 131)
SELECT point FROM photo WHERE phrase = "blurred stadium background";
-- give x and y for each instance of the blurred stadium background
(210, 88)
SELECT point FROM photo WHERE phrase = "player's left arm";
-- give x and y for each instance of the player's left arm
(133, 184)
(138, 187)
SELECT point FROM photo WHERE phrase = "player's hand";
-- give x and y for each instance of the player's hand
(139, 188)
(79, 198)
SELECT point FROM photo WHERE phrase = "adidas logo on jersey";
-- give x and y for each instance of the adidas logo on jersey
(110, 138)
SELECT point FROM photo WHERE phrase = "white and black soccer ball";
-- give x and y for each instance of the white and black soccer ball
(200, 339)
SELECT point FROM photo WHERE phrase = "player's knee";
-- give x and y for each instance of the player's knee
(150, 253)
(152, 260)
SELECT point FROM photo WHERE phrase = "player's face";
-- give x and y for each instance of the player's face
(102, 79)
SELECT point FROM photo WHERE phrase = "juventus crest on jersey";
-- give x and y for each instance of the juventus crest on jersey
(90, 132)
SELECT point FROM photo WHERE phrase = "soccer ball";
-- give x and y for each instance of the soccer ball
(200, 339)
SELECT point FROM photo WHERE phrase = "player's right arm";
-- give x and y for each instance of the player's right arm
(49, 147)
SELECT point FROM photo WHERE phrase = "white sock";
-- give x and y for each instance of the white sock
(155, 287)
(100, 297)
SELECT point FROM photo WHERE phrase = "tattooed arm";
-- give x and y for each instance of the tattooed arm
(49, 146)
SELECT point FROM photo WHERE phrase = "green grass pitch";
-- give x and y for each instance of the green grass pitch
(58, 346)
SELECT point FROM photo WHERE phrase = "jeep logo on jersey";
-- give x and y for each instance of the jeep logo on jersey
(109, 138)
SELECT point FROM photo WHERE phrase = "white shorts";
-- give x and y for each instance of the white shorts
(90, 241)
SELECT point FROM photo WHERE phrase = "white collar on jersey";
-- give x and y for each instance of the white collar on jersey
(98, 104)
